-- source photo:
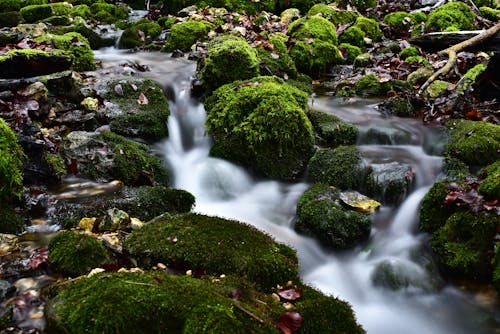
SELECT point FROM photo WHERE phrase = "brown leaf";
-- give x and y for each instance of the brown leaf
(289, 322)
(290, 294)
(142, 99)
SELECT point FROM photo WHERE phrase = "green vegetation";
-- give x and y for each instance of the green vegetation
(10, 5)
(491, 14)
(107, 12)
(352, 52)
(76, 45)
(11, 164)
(457, 15)
(322, 216)
(410, 51)
(370, 27)
(433, 211)
(333, 14)
(490, 185)
(140, 34)
(10, 220)
(261, 123)
(469, 78)
(277, 61)
(75, 254)
(341, 167)
(370, 85)
(475, 143)
(34, 13)
(143, 119)
(215, 245)
(228, 52)
(404, 21)
(354, 36)
(184, 34)
(331, 130)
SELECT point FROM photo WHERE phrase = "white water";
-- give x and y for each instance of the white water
(226, 190)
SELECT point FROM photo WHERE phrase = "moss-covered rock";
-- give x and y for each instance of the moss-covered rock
(436, 88)
(11, 164)
(331, 130)
(389, 182)
(454, 14)
(490, 185)
(35, 13)
(350, 52)
(10, 5)
(261, 123)
(354, 36)
(107, 12)
(10, 220)
(10, 19)
(465, 243)
(184, 34)
(475, 143)
(95, 40)
(315, 50)
(77, 46)
(75, 254)
(363, 5)
(82, 11)
(333, 14)
(409, 52)
(144, 109)
(370, 85)
(228, 59)
(144, 203)
(139, 34)
(402, 22)
(469, 78)
(23, 63)
(491, 14)
(419, 76)
(398, 105)
(370, 27)
(274, 58)
(341, 167)
(215, 245)
(320, 215)
(108, 156)
(433, 210)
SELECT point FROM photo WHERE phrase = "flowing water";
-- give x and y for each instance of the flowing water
(223, 189)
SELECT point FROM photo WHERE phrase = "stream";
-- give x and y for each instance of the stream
(227, 190)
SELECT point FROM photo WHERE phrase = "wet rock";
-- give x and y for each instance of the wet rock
(320, 214)
(113, 220)
(389, 182)
(7, 36)
(31, 63)
(384, 135)
(36, 91)
(396, 274)
(331, 130)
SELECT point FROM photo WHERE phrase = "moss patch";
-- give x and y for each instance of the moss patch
(454, 14)
(77, 45)
(490, 186)
(332, 130)
(139, 34)
(183, 35)
(11, 164)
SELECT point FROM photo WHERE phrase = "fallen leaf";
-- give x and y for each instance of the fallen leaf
(289, 322)
(290, 294)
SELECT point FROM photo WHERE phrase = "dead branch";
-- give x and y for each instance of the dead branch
(452, 51)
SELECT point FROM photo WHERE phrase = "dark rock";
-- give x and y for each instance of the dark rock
(21, 65)
(389, 182)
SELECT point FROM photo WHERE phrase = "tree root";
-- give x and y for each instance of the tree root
(452, 51)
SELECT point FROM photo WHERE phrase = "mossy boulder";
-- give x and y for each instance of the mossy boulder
(456, 15)
(262, 124)
(228, 59)
(75, 254)
(409, 52)
(464, 243)
(10, 220)
(403, 23)
(143, 109)
(11, 164)
(370, 85)
(420, 75)
(469, 78)
(490, 185)
(370, 27)
(389, 182)
(400, 106)
(82, 11)
(139, 34)
(332, 13)
(492, 14)
(436, 88)
(475, 143)
(354, 36)
(35, 13)
(321, 215)
(398, 274)
(315, 50)
(433, 210)
(76, 45)
(95, 40)
(184, 34)
(108, 156)
(331, 130)
(274, 58)
(10, 5)
(25, 63)
(107, 13)
(341, 167)
(350, 52)
(363, 5)
(144, 203)
(215, 245)
(10, 19)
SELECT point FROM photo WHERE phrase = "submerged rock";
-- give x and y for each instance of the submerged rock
(390, 182)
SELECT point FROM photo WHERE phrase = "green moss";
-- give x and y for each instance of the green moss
(261, 123)
(81, 10)
(418, 60)
(350, 52)
(469, 78)
(77, 45)
(341, 167)
(10, 5)
(410, 51)
(316, 58)
(454, 14)
(108, 13)
(420, 75)
(354, 36)
(11, 164)
(496, 267)
(228, 52)
(363, 5)
(60, 20)
(10, 220)
(490, 185)
(433, 210)
(147, 121)
(332, 130)
(216, 245)
(314, 27)
(370, 27)
(333, 14)
(320, 215)
(277, 61)
(183, 35)
(363, 60)
(153, 201)
(399, 106)
(139, 34)
(490, 13)
(369, 85)
(56, 165)
(436, 88)
(475, 143)
(75, 254)
(9, 19)
(34, 13)
(404, 21)
(455, 169)
(465, 242)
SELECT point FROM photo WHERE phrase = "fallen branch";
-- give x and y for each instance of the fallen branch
(452, 51)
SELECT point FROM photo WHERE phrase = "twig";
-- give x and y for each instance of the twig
(250, 314)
